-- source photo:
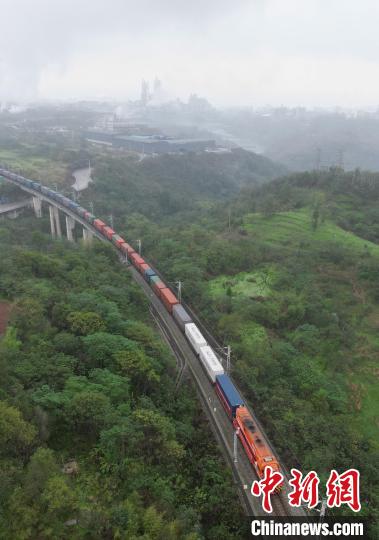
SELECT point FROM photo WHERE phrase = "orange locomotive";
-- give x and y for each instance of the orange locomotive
(257, 450)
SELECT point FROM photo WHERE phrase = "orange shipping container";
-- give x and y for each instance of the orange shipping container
(137, 260)
(126, 248)
(158, 285)
(169, 299)
(99, 225)
(109, 232)
(143, 267)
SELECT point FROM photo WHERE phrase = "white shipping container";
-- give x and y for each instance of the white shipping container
(195, 337)
(211, 363)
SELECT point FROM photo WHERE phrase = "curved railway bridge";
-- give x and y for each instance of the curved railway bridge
(243, 473)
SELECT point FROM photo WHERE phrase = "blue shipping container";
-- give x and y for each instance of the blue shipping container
(230, 392)
(149, 273)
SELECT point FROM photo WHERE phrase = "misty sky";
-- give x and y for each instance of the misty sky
(234, 52)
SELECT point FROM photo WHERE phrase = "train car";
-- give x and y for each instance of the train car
(27, 182)
(22, 180)
(228, 394)
(36, 185)
(99, 225)
(181, 316)
(195, 337)
(46, 191)
(61, 199)
(127, 249)
(256, 447)
(81, 211)
(143, 267)
(109, 232)
(137, 260)
(89, 217)
(72, 205)
(149, 273)
(168, 298)
(55, 195)
(158, 285)
(211, 363)
(117, 240)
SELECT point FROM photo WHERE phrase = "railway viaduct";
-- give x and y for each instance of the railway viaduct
(243, 474)
(13, 209)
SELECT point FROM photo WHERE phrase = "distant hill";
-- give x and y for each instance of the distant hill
(169, 184)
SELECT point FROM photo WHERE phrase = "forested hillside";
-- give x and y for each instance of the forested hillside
(287, 274)
(94, 442)
(173, 184)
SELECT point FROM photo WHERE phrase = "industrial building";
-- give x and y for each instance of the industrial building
(150, 144)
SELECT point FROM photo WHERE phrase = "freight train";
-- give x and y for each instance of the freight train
(256, 447)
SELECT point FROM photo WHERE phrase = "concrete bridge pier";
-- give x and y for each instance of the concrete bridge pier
(52, 221)
(87, 236)
(37, 205)
(57, 222)
(70, 225)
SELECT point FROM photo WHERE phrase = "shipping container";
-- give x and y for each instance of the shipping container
(98, 224)
(81, 211)
(181, 316)
(72, 205)
(60, 198)
(89, 217)
(127, 249)
(45, 190)
(210, 362)
(168, 298)
(108, 232)
(158, 286)
(228, 394)
(149, 273)
(137, 260)
(117, 240)
(195, 337)
(143, 267)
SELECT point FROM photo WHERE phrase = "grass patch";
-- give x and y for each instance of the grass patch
(248, 284)
(48, 171)
(294, 229)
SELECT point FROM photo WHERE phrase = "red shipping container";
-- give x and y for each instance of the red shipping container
(99, 225)
(127, 249)
(137, 260)
(109, 232)
(118, 241)
(169, 299)
(143, 268)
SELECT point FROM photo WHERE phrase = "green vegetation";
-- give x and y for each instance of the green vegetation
(292, 229)
(304, 333)
(285, 272)
(248, 284)
(94, 442)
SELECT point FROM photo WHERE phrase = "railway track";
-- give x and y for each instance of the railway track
(242, 471)
(180, 358)
(280, 502)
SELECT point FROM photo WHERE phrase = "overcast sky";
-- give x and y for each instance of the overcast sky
(234, 52)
